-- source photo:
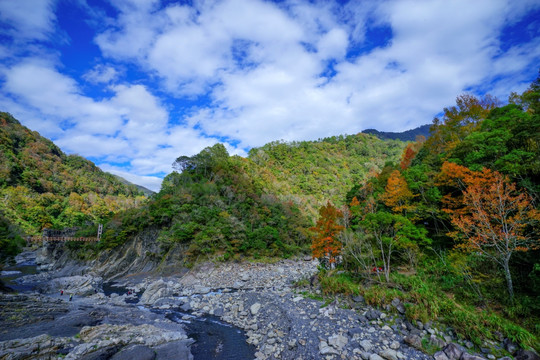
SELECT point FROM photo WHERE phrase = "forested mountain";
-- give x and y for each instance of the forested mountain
(41, 187)
(409, 135)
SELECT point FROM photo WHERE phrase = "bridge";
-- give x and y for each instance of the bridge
(64, 235)
(60, 238)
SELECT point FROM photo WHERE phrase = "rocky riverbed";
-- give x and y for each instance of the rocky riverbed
(279, 320)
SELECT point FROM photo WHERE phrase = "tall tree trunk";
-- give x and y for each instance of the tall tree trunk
(508, 278)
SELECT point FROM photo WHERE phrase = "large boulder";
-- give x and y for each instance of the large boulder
(82, 285)
(157, 290)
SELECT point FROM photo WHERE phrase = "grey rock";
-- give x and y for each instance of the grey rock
(135, 352)
(255, 308)
(398, 305)
(437, 342)
(42, 346)
(104, 353)
(440, 355)
(199, 289)
(453, 351)
(389, 354)
(509, 346)
(325, 349)
(338, 341)
(375, 357)
(414, 340)
(526, 355)
(467, 356)
(178, 350)
(358, 299)
(366, 345)
(219, 311)
(373, 314)
(186, 306)
(155, 291)
(237, 285)
(291, 344)
(355, 331)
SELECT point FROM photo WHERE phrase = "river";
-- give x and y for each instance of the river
(214, 339)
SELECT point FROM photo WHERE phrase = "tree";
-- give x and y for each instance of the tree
(494, 218)
(410, 152)
(397, 195)
(325, 245)
(392, 232)
(458, 122)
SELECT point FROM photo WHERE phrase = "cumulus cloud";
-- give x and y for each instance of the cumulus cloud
(101, 74)
(150, 182)
(28, 19)
(266, 65)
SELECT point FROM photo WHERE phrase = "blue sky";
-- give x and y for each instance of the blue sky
(133, 84)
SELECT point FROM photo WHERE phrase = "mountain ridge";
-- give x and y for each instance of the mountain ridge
(408, 135)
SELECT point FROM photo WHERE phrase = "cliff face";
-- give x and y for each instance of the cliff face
(142, 254)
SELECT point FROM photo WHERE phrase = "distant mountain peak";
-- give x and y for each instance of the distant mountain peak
(409, 135)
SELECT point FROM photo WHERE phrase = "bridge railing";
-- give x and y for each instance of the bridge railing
(61, 238)
(64, 235)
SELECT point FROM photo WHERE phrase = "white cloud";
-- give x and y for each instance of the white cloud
(28, 19)
(150, 182)
(101, 74)
(267, 62)
(333, 44)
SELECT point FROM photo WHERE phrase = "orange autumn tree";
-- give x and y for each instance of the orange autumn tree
(493, 217)
(397, 194)
(325, 246)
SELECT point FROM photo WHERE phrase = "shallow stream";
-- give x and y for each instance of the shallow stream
(9, 276)
(214, 339)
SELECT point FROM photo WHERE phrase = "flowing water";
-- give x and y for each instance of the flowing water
(10, 275)
(214, 339)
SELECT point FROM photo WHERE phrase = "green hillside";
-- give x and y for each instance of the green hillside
(309, 173)
(41, 187)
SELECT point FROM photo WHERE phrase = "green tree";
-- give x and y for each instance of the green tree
(391, 233)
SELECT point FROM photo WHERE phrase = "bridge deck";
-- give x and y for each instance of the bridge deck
(62, 238)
